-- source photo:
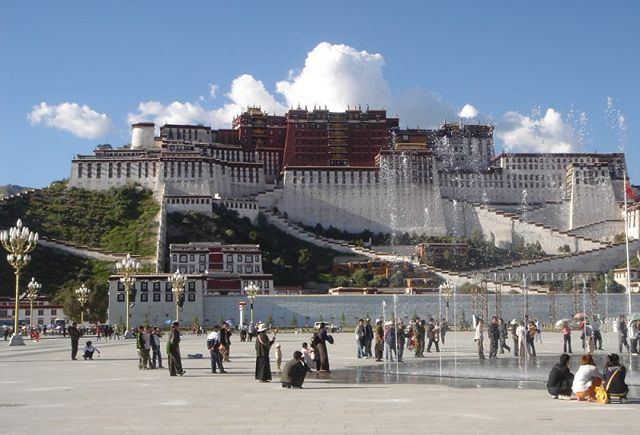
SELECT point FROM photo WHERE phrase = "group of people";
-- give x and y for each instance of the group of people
(149, 353)
(562, 383)
(629, 335)
(295, 370)
(523, 334)
(386, 342)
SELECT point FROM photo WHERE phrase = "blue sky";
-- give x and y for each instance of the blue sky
(542, 71)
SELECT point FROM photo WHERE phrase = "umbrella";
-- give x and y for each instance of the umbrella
(579, 316)
(560, 322)
(634, 316)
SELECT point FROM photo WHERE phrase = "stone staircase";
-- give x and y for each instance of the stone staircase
(456, 278)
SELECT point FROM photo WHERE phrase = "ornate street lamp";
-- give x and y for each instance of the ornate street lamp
(18, 241)
(82, 294)
(251, 291)
(127, 267)
(178, 282)
(32, 294)
(446, 290)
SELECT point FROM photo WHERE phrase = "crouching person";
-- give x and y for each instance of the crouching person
(294, 371)
(560, 379)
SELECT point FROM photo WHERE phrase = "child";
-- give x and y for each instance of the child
(89, 350)
(278, 353)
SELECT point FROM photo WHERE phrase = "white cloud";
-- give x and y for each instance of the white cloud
(79, 120)
(337, 76)
(245, 91)
(334, 75)
(536, 133)
(468, 112)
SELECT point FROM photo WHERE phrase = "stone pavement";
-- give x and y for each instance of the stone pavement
(43, 391)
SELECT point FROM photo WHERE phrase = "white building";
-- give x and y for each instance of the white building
(44, 311)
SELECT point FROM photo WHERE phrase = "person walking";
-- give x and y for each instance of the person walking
(368, 338)
(494, 337)
(263, 347)
(359, 336)
(566, 337)
(622, 334)
(443, 330)
(401, 339)
(502, 331)
(478, 338)
(389, 340)
(432, 335)
(213, 345)
(521, 334)
(156, 359)
(225, 341)
(173, 351)
(530, 338)
(74, 334)
(597, 335)
(379, 344)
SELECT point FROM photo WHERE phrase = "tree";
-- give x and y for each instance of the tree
(397, 279)
(304, 257)
(361, 277)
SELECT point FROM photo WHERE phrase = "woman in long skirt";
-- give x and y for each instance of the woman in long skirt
(263, 346)
(321, 348)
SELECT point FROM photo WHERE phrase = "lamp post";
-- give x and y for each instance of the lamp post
(178, 282)
(82, 294)
(446, 290)
(18, 241)
(32, 294)
(251, 290)
(127, 267)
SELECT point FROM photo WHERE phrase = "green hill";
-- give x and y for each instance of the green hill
(119, 220)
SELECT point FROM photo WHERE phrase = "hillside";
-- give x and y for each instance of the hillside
(12, 189)
(119, 220)
(290, 260)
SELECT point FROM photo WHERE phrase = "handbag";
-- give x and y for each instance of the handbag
(602, 393)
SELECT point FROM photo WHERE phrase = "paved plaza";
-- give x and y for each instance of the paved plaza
(43, 391)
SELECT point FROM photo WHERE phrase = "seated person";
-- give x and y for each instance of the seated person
(89, 350)
(294, 371)
(586, 380)
(617, 387)
(560, 379)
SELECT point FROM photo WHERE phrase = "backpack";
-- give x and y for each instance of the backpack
(602, 393)
(315, 340)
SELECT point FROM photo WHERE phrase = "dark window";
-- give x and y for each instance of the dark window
(168, 297)
(120, 297)
(191, 297)
(144, 297)
(156, 297)
(191, 286)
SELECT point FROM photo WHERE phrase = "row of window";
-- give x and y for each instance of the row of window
(27, 312)
(202, 258)
(144, 169)
(156, 285)
(157, 297)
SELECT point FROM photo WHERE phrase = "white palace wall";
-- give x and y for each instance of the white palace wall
(358, 202)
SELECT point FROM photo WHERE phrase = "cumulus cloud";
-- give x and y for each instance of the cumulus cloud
(337, 76)
(81, 121)
(245, 91)
(333, 75)
(536, 133)
(468, 112)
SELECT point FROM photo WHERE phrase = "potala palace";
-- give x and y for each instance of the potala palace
(358, 170)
